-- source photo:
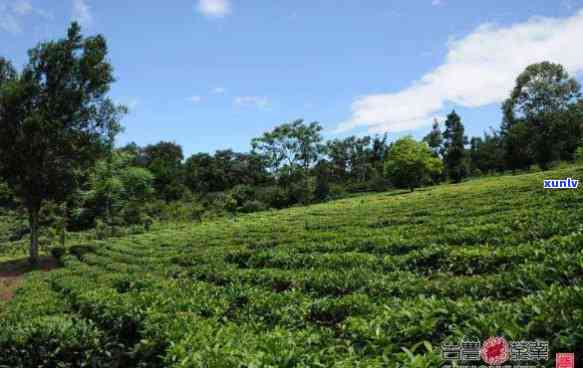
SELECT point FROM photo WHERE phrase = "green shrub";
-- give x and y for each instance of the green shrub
(80, 251)
(274, 196)
(242, 193)
(378, 280)
(52, 341)
(253, 206)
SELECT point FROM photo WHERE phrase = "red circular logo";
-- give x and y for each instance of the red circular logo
(495, 351)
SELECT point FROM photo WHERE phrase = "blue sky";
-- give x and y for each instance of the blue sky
(213, 74)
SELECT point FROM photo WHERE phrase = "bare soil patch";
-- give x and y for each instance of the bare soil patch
(12, 273)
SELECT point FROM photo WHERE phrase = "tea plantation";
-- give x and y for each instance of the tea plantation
(372, 281)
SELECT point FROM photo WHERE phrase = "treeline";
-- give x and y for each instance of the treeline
(288, 165)
(542, 125)
(58, 160)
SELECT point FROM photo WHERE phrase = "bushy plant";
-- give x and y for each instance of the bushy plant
(372, 281)
(322, 189)
(242, 193)
(253, 206)
(410, 163)
(378, 183)
(51, 341)
(299, 193)
(274, 196)
(7, 198)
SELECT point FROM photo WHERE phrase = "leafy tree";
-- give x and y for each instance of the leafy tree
(434, 139)
(353, 158)
(6, 196)
(55, 118)
(164, 160)
(310, 145)
(117, 189)
(542, 99)
(379, 147)
(570, 130)
(136, 152)
(409, 163)
(322, 190)
(517, 150)
(238, 168)
(378, 153)
(455, 158)
(487, 154)
(289, 147)
(226, 169)
(579, 155)
(339, 155)
(199, 173)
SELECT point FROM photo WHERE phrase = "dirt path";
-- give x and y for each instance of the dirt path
(12, 273)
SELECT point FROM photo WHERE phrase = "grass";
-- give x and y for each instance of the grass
(371, 281)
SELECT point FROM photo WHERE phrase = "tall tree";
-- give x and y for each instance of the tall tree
(379, 151)
(543, 99)
(199, 173)
(338, 152)
(352, 157)
(434, 139)
(55, 118)
(516, 143)
(164, 160)
(226, 169)
(117, 189)
(322, 190)
(289, 147)
(455, 158)
(310, 146)
(487, 154)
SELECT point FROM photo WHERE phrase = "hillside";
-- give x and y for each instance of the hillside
(372, 281)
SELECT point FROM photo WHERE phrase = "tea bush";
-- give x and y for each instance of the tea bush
(372, 281)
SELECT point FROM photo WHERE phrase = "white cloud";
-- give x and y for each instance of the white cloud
(194, 99)
(12, 12)
(436, 2)
(218, 91)
(214, 8)
(480, 69)
(258, 101)
(82, 12)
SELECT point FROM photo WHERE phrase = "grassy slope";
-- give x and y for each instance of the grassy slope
(347, 283)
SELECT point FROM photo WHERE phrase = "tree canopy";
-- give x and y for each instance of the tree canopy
(454, 156)
(542, 117)
(290, 146)
(55, 119)
(410, 163)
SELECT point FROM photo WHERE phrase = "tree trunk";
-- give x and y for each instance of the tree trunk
(34, 230)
